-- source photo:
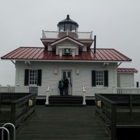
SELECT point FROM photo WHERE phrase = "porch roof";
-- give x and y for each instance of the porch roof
(127, 70)
(39, 53)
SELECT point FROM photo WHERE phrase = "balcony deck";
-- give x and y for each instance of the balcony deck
(58, 35)
(64, 123)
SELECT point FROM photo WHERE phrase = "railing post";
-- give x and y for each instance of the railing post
(84, 97)
(47, 96)
(13, 113)
(113, 122)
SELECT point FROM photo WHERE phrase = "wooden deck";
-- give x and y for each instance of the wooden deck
(63, 123)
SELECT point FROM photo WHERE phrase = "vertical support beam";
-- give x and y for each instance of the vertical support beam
(130, 104)
(13, 113)
(113, 122)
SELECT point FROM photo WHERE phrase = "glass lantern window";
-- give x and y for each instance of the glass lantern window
(73, 28)
(61, 28)
(67, 27)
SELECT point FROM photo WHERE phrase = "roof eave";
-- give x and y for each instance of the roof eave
(49, 60)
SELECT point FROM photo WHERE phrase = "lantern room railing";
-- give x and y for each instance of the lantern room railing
(57, 34)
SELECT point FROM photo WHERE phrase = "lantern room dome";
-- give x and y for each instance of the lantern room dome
(67, 25)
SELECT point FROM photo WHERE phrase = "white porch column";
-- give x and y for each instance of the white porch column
(73, 52)
(47, 96)
(60, 52)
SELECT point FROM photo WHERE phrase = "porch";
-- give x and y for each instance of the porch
(64, 123)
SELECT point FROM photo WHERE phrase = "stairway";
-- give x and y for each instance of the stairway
(66, 100)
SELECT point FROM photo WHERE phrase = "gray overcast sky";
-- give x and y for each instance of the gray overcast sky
(116, 23)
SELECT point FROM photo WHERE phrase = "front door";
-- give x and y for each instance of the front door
(68, 74)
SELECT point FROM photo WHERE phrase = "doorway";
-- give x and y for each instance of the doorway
(68, 74)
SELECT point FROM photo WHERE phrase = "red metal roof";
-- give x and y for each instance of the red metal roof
(38, 53)
(129, 70)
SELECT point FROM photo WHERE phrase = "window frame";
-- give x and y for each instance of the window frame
(105, 79)
(100, 75)
(34, 78)
(27, 80)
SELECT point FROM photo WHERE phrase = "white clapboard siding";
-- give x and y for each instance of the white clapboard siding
(126, 79)
(49, 78)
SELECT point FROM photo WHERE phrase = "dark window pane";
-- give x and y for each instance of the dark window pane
(67, 27)
(64, 74)
(61, 28)
(69, 74)
(73, 28)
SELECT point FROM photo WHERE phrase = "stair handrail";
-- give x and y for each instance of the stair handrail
(47, 95)
(8, 134)
(84, 95)
(14, 129)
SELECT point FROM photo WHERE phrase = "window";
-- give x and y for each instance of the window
(67, 27)
(99, 78)
(33, 77)
(73, 28)
(61, 28)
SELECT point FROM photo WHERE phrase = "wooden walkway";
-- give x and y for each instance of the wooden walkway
(63, 123)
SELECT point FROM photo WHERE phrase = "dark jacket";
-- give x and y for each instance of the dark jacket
(66, 82)
(60, 84)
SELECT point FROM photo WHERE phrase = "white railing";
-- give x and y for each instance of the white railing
(47, 95)
(128, 90)
(76, 35)
(90, 91)
(7, 89)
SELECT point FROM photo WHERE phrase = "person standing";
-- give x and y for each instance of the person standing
(61, 86)
(66, 85)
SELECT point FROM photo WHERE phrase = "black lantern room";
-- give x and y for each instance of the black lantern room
(67, 25)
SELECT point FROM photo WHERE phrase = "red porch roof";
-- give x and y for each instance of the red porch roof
(129, 70)
(38, 53)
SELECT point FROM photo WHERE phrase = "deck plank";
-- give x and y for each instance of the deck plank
(63, 123)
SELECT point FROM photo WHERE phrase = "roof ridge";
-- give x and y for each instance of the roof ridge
(29, 47)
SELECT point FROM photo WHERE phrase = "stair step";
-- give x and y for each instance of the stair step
(65, 100)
